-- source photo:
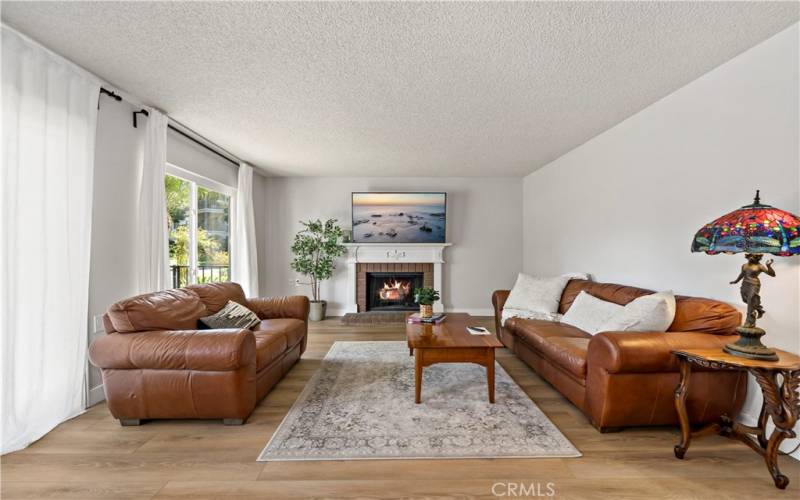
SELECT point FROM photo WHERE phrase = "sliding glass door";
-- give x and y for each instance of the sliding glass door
(199, 218)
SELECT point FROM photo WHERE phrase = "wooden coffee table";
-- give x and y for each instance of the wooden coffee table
(450, 342)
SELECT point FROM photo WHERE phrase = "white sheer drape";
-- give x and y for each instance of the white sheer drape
(152, 239)
(49, 124)
(244, 261)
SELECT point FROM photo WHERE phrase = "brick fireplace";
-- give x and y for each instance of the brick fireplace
(390, 263)
(387, 285)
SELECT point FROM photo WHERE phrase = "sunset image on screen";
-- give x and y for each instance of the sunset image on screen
(399, 217)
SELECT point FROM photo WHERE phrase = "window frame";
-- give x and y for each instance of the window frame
(195, 181)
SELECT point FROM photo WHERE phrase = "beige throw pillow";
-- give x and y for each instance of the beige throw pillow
(648, 313)
(589, 313)
(536, 294)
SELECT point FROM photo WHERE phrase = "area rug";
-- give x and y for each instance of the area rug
(360, 405)
(374, 318)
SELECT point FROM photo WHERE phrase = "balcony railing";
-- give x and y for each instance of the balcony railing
(205, 274)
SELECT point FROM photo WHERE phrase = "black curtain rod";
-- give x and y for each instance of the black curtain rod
(118, 98)
(110, 94)
(199, 143)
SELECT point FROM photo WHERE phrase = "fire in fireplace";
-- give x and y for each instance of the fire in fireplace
(392, 291)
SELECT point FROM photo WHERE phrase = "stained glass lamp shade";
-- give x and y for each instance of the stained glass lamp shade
(754, 228)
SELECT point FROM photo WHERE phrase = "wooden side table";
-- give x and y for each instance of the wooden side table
(781, 403)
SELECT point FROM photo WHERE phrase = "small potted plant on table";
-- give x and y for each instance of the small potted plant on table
(425, 297)
(315, 248)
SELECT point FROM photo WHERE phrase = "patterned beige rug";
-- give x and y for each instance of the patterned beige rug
(360, 405)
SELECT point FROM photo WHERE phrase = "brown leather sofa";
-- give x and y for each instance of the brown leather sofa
(621, 379)
(156, 363)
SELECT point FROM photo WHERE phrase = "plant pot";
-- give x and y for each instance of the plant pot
(425, 310)
(317, 310)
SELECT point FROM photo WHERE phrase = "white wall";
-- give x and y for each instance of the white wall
(625, 205)
(483, 223)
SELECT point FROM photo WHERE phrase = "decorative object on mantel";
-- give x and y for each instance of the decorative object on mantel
(425, 297)
(315, 248)
(754, 229)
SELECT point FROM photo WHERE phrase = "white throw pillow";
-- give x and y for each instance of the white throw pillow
(589, 313)
(648, 313)
(537, 294)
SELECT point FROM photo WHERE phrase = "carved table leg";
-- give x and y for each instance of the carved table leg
(680, 406)
(782, 405)
(763, 416)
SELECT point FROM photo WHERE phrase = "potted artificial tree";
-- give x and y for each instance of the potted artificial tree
(315, 248)
(425, 297)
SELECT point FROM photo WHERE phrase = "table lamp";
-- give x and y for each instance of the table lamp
(754, 230)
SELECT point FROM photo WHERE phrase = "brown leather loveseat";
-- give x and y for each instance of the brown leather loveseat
(621, 379)
(156, 363)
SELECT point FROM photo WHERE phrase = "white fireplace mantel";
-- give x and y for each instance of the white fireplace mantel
(394, 252)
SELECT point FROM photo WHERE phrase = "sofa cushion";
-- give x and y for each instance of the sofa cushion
(177, 309)
(695, 314)
(216, 295)
(269, 347)
(535, 332)
(692, 314)
(292, 329)
(568, 353)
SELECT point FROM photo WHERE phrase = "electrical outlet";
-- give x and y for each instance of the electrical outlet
(97, 323)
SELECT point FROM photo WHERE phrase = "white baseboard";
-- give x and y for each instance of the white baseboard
(96, 395)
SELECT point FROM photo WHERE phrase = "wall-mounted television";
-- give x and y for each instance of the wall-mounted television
(399, 217)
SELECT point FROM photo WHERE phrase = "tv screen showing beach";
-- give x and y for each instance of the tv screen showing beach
(399, 217)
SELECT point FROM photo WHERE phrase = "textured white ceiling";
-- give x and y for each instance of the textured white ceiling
(423, 89)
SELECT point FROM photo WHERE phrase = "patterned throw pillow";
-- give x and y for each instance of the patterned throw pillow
(233, 315)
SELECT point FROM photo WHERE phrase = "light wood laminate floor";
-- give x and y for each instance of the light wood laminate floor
(91, 456)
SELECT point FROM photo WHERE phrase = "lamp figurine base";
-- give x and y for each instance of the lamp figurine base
(749, 345)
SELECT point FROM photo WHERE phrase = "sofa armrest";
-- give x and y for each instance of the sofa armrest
(293, 306)
(206, 350)
(499, 298)
(646, 352)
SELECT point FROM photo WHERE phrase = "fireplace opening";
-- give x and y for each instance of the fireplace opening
(393, 291)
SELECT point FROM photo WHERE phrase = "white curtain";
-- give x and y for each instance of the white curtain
(244, 260)
(152, 239)
(49, 118)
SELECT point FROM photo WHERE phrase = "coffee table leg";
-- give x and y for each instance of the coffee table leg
(418, 377)
(490, 375)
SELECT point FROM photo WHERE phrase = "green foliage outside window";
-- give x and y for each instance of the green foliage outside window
(211, 250)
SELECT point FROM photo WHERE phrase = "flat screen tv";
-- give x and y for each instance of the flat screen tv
(399, 217)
